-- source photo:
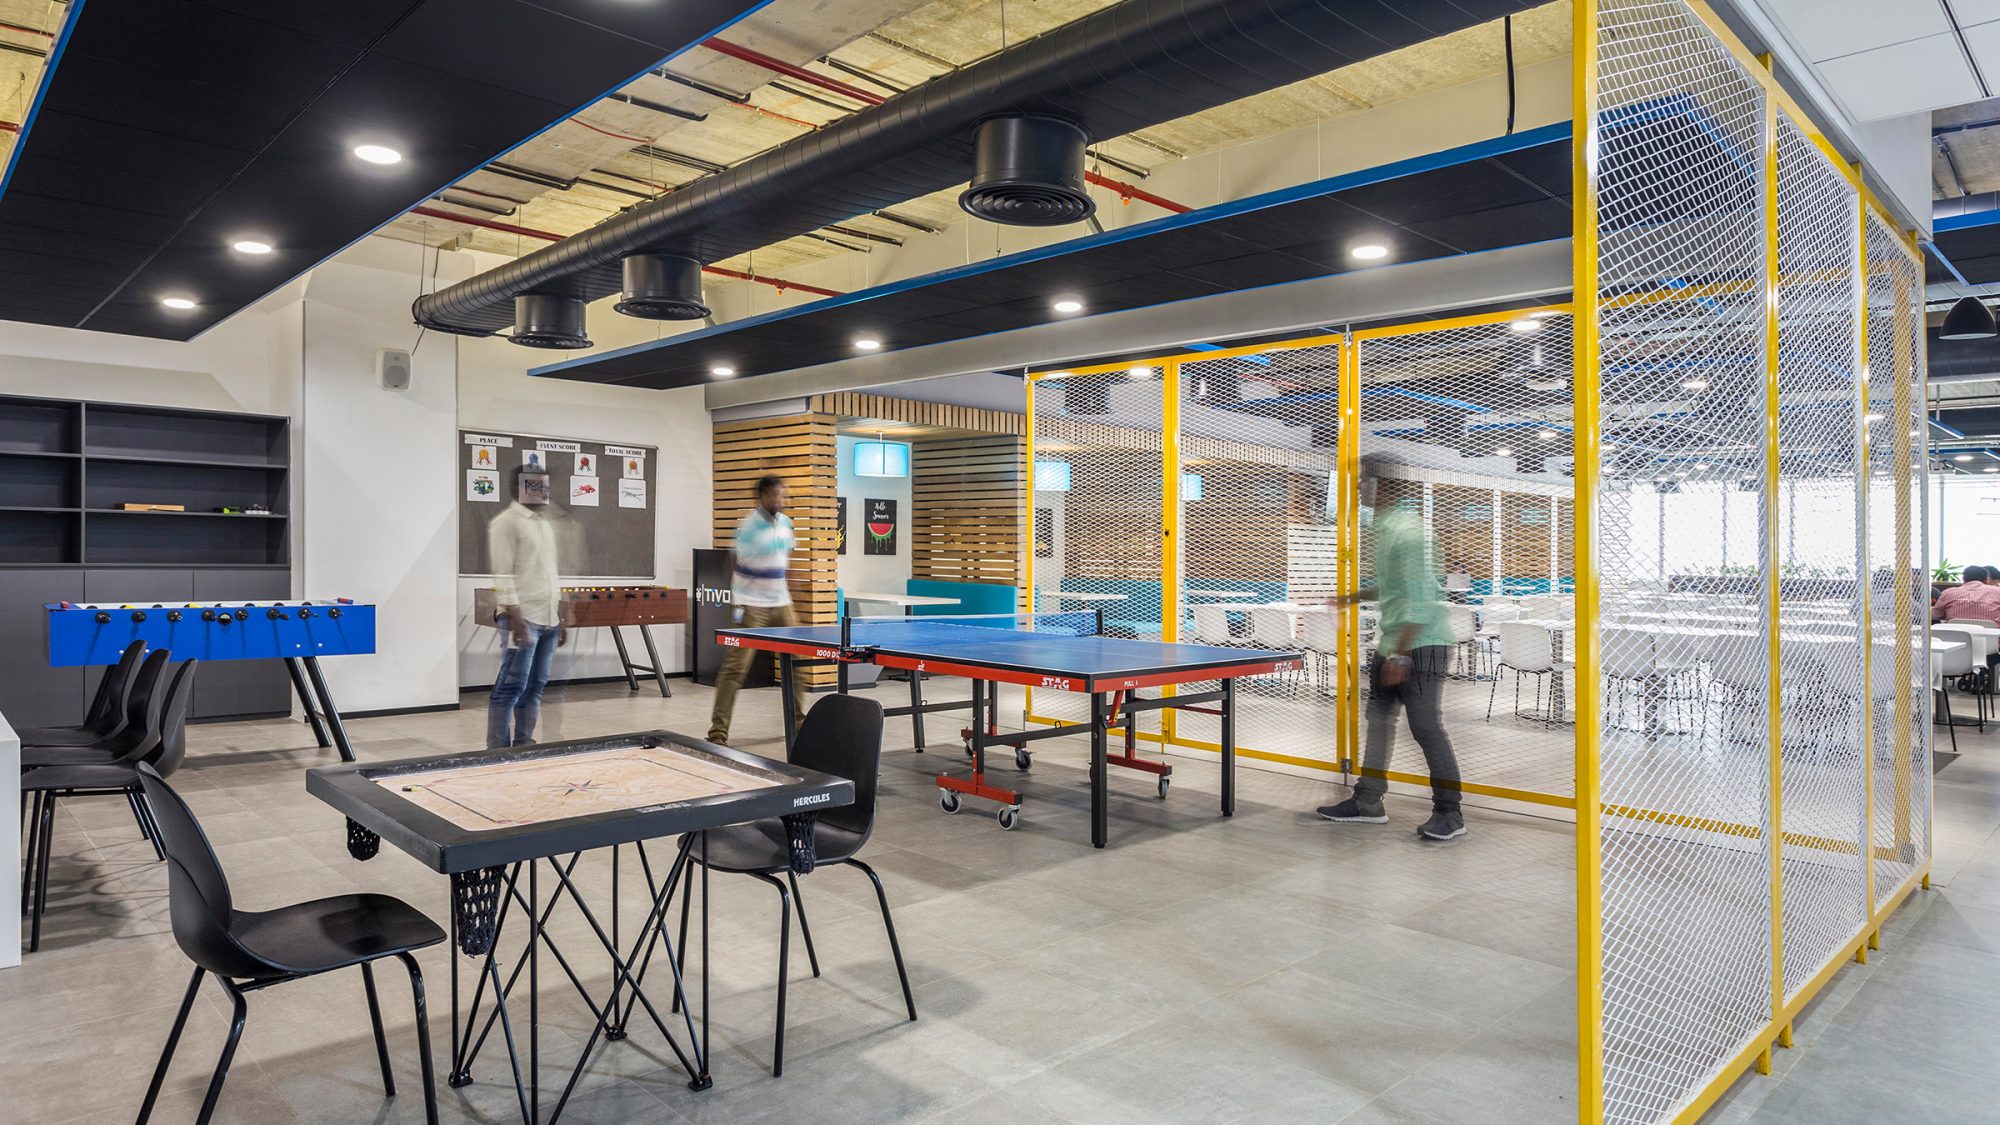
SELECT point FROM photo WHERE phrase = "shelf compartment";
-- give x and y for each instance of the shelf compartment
(40, 482)
(202, 488)
(38, 426)
(125, 538)
(40, 537)
(186, 435)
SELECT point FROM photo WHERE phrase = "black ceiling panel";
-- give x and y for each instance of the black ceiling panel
(1974, 250)
(170, 128)
(1233, 247)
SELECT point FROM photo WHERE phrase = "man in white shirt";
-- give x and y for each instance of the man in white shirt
(527, 595)
(762, 559)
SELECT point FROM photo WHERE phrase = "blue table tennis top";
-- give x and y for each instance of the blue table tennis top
(1056, 652)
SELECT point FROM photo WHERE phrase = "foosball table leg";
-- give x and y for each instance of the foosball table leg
(653, 658)
(625, 656)
(327, 710)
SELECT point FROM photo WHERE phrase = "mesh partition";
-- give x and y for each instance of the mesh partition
(1258, 491)
(1686, 925)
(1472, 423)
(1097, 495)
(1823, 692)
(1899, 580)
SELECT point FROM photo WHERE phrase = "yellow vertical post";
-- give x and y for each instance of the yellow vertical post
(1774, 700)
(1170, 524)
(1028, 520)
(1909, 416)
(1347, 459)
(1589, 800)
(1864, 571)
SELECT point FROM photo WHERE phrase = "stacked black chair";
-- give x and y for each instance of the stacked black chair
(106, 716)
(155, 734)
(249, 950)
(842, 735)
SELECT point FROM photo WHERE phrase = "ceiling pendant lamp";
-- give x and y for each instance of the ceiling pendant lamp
(1968, 320)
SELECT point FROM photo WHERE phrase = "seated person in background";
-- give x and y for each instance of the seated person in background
(1973, 598)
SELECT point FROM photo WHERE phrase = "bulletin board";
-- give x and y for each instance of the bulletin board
(604, 495)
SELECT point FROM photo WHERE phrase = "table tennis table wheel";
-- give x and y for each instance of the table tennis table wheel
(1163, 787)
(948, 800)
(968, 747)
(1010, 816)
(1022, 759)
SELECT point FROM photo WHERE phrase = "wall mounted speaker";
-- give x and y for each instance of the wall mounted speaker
(392, 367)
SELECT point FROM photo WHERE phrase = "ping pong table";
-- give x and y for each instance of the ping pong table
(1050, 651)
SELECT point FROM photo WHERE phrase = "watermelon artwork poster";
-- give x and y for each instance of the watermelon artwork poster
(881, 528)
(840, 525)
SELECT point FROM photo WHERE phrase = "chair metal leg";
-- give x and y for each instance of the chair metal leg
(375, 1019)
(895, 948)
(804, 929)
(31, 821)
(146, 826)
(1492, 692)
(423, 1037)
(240, 1015)
(48, 832)
(784, 968)
(173, 1041)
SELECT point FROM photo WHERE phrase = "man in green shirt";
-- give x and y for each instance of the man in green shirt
(1409, 667)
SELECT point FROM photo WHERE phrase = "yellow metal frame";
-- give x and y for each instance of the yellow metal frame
(1347, 701)
(1773, 566)
(1864, 574)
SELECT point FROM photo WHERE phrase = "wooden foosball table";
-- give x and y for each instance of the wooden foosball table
(613, 608)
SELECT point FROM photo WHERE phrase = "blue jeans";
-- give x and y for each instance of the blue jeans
(516, 702)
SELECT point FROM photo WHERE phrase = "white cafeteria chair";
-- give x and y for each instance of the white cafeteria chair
(1956, 665)
(1211, 625)
(1464, 636)
(1322, 643)
(1526, 650)
(1272, 628)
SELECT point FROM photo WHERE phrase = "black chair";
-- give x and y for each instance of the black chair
(106, 716)
(161, 744)
(248, 950)
(842, 735)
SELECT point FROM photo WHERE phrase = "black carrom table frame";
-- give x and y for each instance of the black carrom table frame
(489, 867)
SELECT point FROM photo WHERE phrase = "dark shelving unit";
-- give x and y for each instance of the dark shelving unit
(66, 465)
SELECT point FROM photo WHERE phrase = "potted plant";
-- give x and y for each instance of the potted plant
(1945, 574)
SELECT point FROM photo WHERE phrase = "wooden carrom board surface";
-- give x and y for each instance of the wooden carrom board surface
(557, 787)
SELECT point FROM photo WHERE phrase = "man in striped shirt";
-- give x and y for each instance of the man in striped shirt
(763, 554)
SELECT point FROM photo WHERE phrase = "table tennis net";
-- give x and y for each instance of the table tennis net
(968, 628)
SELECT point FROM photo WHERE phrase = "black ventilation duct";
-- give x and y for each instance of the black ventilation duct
(1086, 396)
(1325, 437)
(1126, 67)
(543, 321)
(662, 287)
(1027, 171)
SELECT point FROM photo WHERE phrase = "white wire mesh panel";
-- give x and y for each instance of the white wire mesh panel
(1098, 462)
(1823, 687)
(1899, 580)
(1685, 854)
(1258, 536)
(1473, 424)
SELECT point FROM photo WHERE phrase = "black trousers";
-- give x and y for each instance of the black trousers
(1421, 696)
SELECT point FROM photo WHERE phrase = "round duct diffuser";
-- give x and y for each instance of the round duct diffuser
(1027, 171)
(662, 287)
(542, 321)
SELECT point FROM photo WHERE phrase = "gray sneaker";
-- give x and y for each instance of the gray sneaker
(1352, 811)
(1443, 826)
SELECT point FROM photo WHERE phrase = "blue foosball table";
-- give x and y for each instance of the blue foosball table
(298, 633)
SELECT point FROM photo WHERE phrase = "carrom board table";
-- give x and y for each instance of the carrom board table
(498, 822)
(1047, 651)
(298, 633)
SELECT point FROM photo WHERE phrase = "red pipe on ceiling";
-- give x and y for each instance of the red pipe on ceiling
(1133, 191)
(780, 66)
(9, 127)
(777, 283)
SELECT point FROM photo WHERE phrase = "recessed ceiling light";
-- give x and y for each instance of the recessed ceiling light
(1139, 372)
(1548, 435)
(1696, 384)
(1991, 469)
(251, 246)
(177, 302)
(1069, 306)
(1369, 251)
(1701, 466)
(1504, 451)
(722, 371)
(1963, 457)
(1555, 384)
(867, 343)
(1525, 325)
(1873, 418)
(377, 154)
(1609, 447)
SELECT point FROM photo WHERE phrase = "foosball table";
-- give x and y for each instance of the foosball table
(613, 608)
(298, 633)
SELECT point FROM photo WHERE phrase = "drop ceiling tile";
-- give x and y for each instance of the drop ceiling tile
(1984, 42)
(1971, 13)
(1827, 29)
(1913, 77)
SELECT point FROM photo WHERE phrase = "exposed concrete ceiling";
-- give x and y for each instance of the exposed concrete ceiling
(615, 154)
(27, 31)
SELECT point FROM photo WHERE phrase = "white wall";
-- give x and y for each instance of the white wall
(496, 393)
(874, 574)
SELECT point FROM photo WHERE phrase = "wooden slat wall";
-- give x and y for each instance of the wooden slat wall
(799, 448)
(853, 404)
(966, 501)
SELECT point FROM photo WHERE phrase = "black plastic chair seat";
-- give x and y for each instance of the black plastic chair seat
(35, 757)
(81, 775)
(765, 846)
(333, 933)
(61, 736)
